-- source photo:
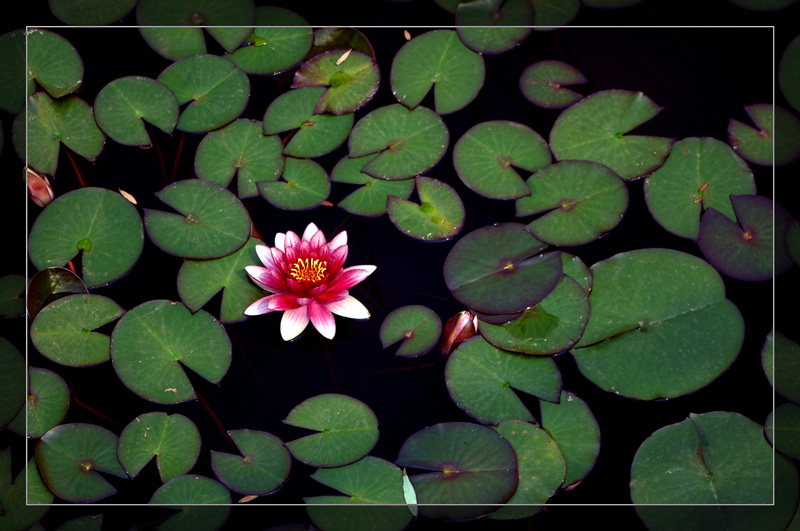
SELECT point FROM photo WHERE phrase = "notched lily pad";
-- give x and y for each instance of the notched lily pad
(756, 144)
(261, 469)
(418, 327)
(280, 41)
(369, 200)
(53, 62)
(173, 440)
(438, 217)
(493, 26)
(305, 185)
(50, 284)
(351, 78)
(48, 401)
(543, 83)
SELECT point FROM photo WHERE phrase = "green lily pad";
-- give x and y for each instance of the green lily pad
(369, 200)
(150, 340)
(418, 327)
(660, 327)
(12, 57)
(550, 13)
(551, 326)
(90, 12)
(281, 39)
(493, 26)
(484, 157)
(305, 185)
(200, 280)
(783, 430)
(594, 129)
(469, 464)
(448, 5)
(12, 378)
(100, 224)
(543, 84)
(62, 331)
(409, 142)
(439, 60)
(90, 522)
(12, 295)
(48, 401)
(211, 222)
(194, 489)
(52, 122)
(789, 73)
(480, 378)
(50, 284)
(571, 423)
(792, 241)
(70, 457)
(582, 200)
(172, 439)
(314, 134)
(123, 105)
(438, 217)
(330, 38)
(347, 430)
(700, 173)
(263, 469)
(786, 355)
(351, 78)
(214, 88)
(756, 145)
(498, 269)
(16, 514)
(763, 5)
(54, 63)
(574, 268)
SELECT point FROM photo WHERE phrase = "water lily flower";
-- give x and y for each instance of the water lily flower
(39, 188)
(307, 282)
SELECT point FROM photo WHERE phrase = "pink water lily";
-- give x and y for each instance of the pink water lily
(307, 282)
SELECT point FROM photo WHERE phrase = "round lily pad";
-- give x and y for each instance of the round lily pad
(783, 430)
(123, 105)
(305, 185)
(574, 268)
(48, 401)
(660, 326)
(786, 355)
(438, 217)
(756, 145)
(281, 39)
(554, 13)
(12, 56)
(409, 142)
(53, 63)
(543, 84)
(172, 439)
(369, 200)
(12, 378)
(263, 469)
(194, 489)
(484, 157)
(331, 38)
(468, 463)
(351, 78)
(62, 331)
(594, 129)
(789, 73)
(70, 458)
(439, 60)
(50, 284)
(581, 201)
(347, 430)
(27, 488)
(480, 378)
(211, 222)
(494, 26)
(214, 88)
(418, 327)
(498, 269)
(99, 223)
(90, 12)
(12, 295)
(700, 173)
(313, 134)
(151, 342)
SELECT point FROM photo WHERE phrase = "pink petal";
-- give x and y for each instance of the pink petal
(310, 231)
(318, 240)
(279, 258)
(338, 240)
(265, 255)
(261, 306)
(280, 238)
(352, 276)
(337, 258)
(349, 307)
(292, 240)
(293, 323)
(267, 279)
(322, 319)
(332, 295)
(305, 248)
(281, 302)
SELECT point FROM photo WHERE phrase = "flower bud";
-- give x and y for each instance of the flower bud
(39, 188)
(458, 328)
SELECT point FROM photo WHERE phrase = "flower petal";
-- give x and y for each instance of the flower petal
(318, 240)
(349, 307)
(267, 279)
(336, 259)
(261, 306)
(322, 319)
(279, 258)
(280, 238)
(292, 240)
(293, 323)
(282, 302)
(310, 231)
(352, 276)
(265, 255)
(338, 240)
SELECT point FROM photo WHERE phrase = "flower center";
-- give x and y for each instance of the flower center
(311, 270)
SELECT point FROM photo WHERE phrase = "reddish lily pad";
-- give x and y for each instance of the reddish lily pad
(172, 439)
(12, 378)
(369, 200)
(789, 73)
(351, 78)
(50, 284)
(280, 41)
(543, 84)
(494, 26)
(756, 145)
(418, 327)
(261, 469)
(305, 185)
(48, 401)
(438, 217)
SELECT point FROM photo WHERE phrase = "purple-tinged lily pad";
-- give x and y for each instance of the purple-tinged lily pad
(418, 327)
(261, 469)
(280, 41)
(173, 440)
(48, 401)
(789, 73)
(304, 186)
(370, 200)
(326, 39)
(438, 217)
(756, 145)
(351, 78)
(543, 84)
(50, 284)
(493, 26)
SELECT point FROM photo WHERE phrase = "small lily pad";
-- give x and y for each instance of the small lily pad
(438, 217)
(786, 355)
(53, 62)
(418, 327)
(263, 469)
(48, 401)
(347, 430)
(281, 39)
(12, 378)
(50, 284)
(12, 295)
(27, 488)
(351, 82)
(90, 12)
(789, 73)
(13, 58)
(193, 489)
(493, 26)
(305, 185)
(783, 430)
(756, 145)
(172, 439)
(543, 83)
(369, 200)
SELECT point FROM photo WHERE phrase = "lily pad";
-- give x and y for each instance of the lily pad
(789, 73)
(90, 12)
(554, 13)
(172, 439)
(123, 105)
(13, 57)
(281, 39)
(53, 62)
(12, 378)
(314, 134)
(543, 83)
(700, 173)
(786, 355)
(756, 145)
(439, 60)
(100, 224)
(351, 78)
(783, 430)
(330, 38)
(418, 327)
(152, 341)
(214, 88)
(574, 268)
(263, 469)
(581, 200)
(438, 217)
(211, 222)
(594, 129)
(90, 522)
(16, 514)
(48, 401)
(62, 331)
(409, 142)
(493, 26)
(660, 327)
(497, 269)
(468, 463)
(305, 185)
(347, 430)
(369, 200)
(50, 284)
(484, 157)
(70, 457)
(194, 489)
(12, 295)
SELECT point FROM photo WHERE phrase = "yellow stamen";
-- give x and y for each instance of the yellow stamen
(312, 270)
